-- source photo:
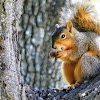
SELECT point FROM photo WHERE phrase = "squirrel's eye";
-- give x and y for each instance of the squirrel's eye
(63, 36)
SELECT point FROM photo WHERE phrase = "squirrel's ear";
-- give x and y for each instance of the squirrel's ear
(57, 26)
(69, 27)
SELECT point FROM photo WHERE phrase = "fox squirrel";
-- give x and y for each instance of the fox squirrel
(77, 44)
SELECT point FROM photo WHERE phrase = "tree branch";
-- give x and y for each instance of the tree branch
(86, 91)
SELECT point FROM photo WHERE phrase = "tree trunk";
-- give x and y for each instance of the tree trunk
(37, 22)
(10, 12)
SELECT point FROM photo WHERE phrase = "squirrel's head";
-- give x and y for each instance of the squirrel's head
(63, 37)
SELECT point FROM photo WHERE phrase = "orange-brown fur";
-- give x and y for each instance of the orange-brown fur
(76, 68)
(67, 54)
(79, 76)
(93, 53)
(68, 45)
(78, 73)
(83, 17)
(84, 21)
(67, 50)
(68, 71)
(73, 73)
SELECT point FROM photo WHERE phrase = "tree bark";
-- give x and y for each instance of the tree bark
(10, 12)
(37, 23)
(86, 91)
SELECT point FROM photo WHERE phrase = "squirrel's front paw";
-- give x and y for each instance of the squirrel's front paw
(75, 85)
(52, 54)
(69, 88)
(59, 54)
(56, 54)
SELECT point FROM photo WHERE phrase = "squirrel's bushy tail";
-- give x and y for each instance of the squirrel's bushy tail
(83, 17)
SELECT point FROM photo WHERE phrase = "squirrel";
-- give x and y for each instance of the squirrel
(77, 43)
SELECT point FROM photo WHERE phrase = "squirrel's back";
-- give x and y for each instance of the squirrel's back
(82, 16)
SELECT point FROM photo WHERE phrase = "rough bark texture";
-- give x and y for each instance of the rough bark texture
(87, 91)
(38, 22)
(10, 12)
